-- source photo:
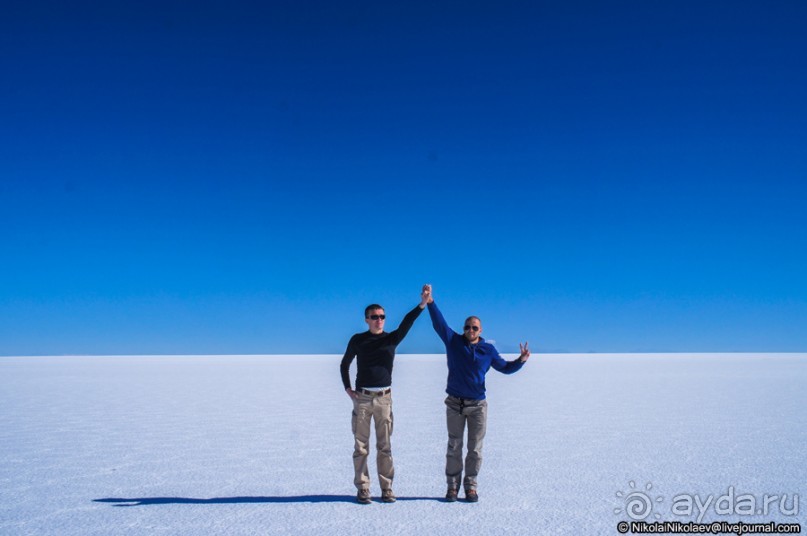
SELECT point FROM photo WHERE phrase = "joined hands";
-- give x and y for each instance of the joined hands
(426, 295)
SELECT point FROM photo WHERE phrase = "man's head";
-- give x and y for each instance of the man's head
(472, 329)
(374, 316)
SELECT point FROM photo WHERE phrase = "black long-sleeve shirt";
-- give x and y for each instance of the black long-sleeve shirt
(375, 354)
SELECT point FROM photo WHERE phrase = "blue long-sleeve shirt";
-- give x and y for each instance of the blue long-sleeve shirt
(468, 363)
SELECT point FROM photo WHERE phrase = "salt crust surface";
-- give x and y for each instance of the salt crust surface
(262, 444)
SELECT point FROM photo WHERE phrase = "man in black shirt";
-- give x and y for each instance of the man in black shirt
(375, 352)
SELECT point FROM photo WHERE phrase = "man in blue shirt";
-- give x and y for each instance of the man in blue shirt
(469, 358)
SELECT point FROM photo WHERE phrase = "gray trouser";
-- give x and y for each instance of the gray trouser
(379, 409)
(458, 412)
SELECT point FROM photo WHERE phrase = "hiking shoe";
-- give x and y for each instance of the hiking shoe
(451, 495)
(364, 496)
(471, 495)
(387, 496)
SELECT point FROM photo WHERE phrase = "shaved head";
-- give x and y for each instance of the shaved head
(472, 329)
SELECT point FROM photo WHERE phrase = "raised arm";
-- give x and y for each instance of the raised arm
(411, 316)
(406, 324)
(439, 323)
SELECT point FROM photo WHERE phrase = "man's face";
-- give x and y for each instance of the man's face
(375, 319)
(472, 330)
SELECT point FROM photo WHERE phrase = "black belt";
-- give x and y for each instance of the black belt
(374, 393)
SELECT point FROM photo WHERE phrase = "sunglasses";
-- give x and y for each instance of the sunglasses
(377, 317)
(471, 328)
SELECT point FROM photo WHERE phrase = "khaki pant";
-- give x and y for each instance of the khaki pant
(379, 409)
(460, 411)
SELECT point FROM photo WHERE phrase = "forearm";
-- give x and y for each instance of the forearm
(344, 368)
(411, 316)
(407, 322)
(513, 366)
(439, 323)
(345, 372)
(506, 367)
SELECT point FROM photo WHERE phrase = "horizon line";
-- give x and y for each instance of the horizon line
(562, 353)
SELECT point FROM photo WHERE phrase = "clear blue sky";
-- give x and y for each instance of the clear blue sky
(244, 177)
